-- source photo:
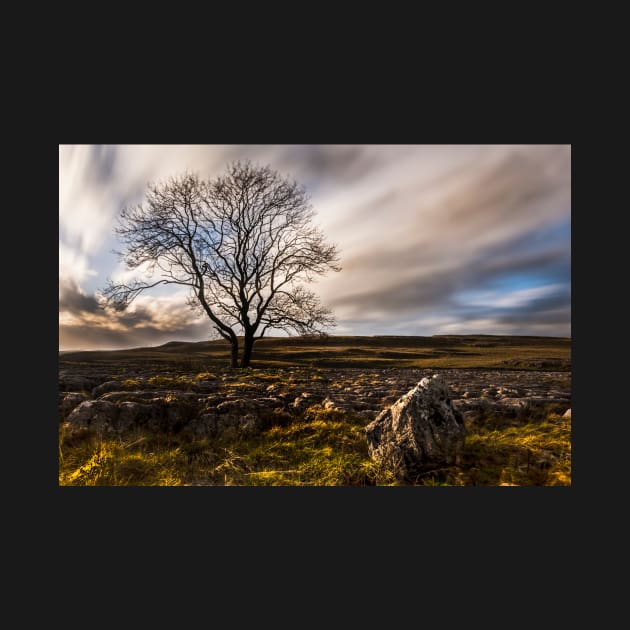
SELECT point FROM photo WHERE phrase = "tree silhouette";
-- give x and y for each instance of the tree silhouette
(244, 243)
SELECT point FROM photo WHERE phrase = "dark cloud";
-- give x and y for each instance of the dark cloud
(528, 316)
(551, 261)
(551, 309)
(73, 300)
(401, 296)
(329, 163)
(437, 289)
(99, 328)
(88, 336)
(168, 320)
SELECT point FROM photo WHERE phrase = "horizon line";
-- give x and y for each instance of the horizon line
(314, 337)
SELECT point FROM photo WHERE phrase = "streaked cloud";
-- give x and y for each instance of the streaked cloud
(434, 239)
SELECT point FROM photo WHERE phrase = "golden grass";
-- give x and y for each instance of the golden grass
(304, 453)
(322, 447)
(325, 448)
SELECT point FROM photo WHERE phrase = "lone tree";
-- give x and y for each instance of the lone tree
(243, 242)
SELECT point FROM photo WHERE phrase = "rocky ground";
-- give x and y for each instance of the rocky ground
(121, 397)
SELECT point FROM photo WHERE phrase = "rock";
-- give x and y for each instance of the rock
(480, 406)
(136, 396)
(133, 414)
(306, 399)
(104, 416)
(420, 431)
(508, 392)
(69, 401)
(476, 394)
(204, 387)
(107, 386)
(246, 415)
(75, 383)
(94, 415)
(151, 395)
(175, 416)
(215, 423)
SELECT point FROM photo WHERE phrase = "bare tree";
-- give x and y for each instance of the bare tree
(244, 243)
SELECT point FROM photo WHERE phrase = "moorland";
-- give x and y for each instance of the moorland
(177, 415)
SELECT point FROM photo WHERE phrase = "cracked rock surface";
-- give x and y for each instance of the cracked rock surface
(115, 399)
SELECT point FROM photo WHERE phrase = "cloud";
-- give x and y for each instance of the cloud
(73, 265)
(150, 319)
(413, 279)
(89, 337)
(506, 213)
(425, 232)
(87, 206)
(72, 300)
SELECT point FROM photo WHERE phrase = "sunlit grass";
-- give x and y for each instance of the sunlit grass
(98, 461)
(503, 452)
(304, 453)
(532, 454)
(204, 376)
(324, 448)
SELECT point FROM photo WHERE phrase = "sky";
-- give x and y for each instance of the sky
(433, 239)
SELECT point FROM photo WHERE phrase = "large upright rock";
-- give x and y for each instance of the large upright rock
(420, 431)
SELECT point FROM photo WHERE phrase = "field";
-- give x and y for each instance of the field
(309, 401)
(440, 351)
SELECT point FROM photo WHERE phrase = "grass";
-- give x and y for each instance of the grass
(440, 351)
(320, 446)
(323, 448)
(534, 453)
(316, 453)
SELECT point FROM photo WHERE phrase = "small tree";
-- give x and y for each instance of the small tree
(244, 243)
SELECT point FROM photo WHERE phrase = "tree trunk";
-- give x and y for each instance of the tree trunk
(248, 346)
(234, 353)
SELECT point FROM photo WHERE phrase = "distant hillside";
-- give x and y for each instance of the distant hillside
(439, 351)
